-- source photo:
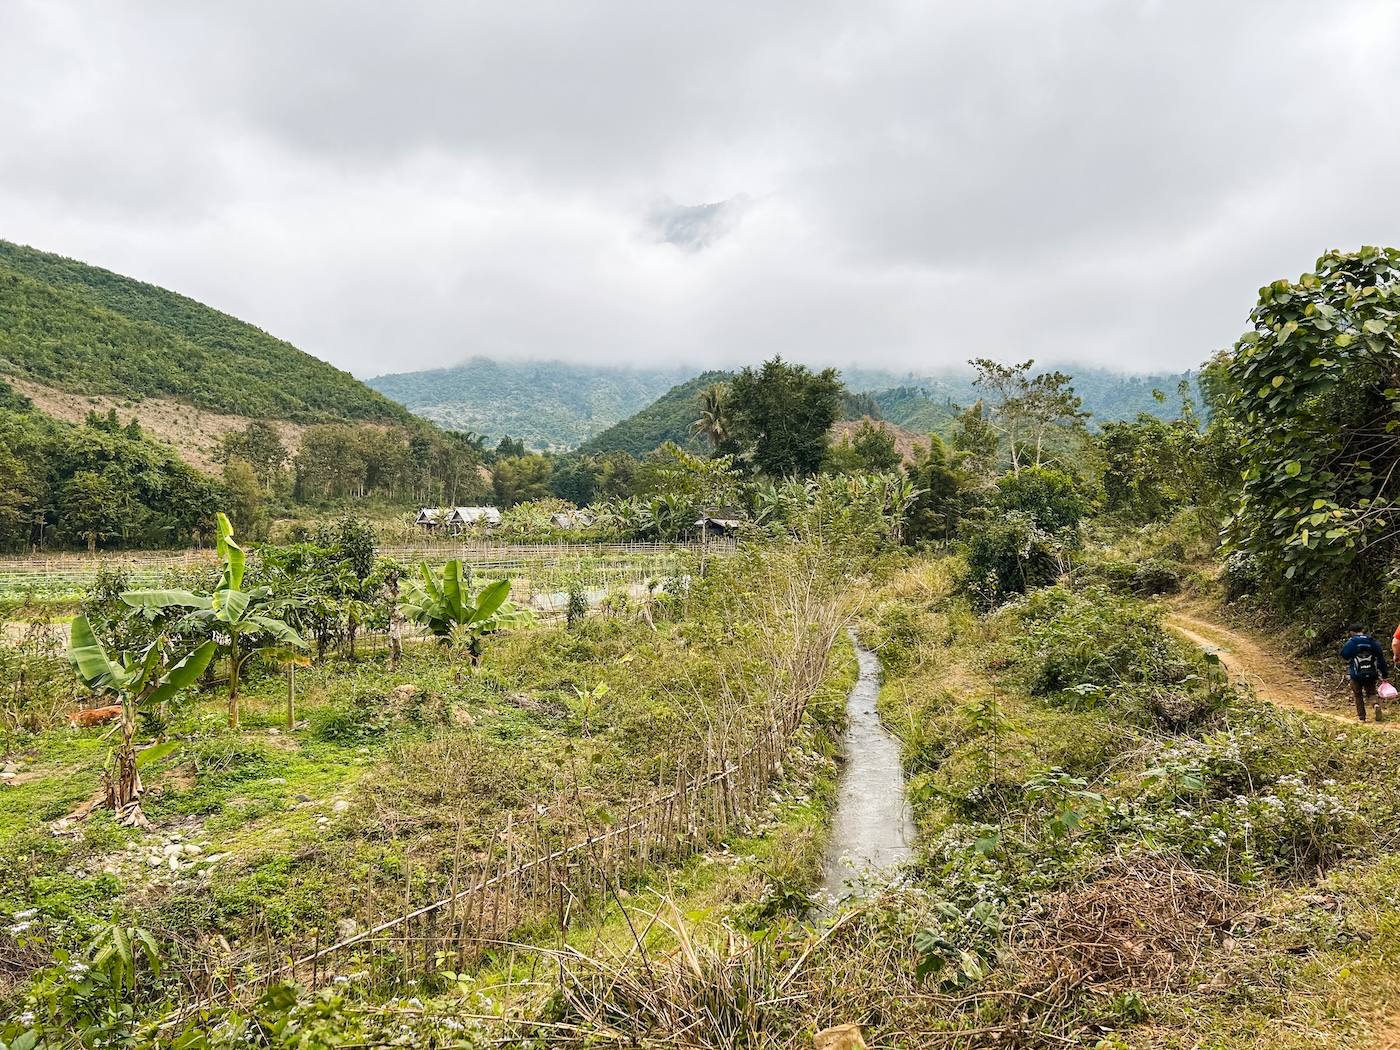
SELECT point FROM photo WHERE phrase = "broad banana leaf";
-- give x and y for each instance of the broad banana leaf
(454, 590)
(510, 615)
(146, 670)
(433, 589)
(230, 606)
(90, 660)
(183, 674)
(156, 752)
(490, 599)
(279, 629)
(230, 553)
(151, 602)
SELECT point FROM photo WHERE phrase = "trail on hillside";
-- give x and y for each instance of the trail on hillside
(1281, 680)
(1274, 676)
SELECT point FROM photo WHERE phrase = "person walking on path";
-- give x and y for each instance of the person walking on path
(1366, 666)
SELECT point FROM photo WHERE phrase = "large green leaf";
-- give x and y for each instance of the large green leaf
(155, 600)
(90, 660)
(230, 553)
(454, 590)
(231, 605)
(187, 671)
(431, 589)
(279, 629)
(490, 599)
(156, 752)
(183, 674)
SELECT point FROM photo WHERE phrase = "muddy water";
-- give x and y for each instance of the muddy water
(872, 828)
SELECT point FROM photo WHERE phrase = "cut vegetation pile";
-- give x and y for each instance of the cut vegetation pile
(1139, 921)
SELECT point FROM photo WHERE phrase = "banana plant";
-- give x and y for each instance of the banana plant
(446, 607)
(243, 622)
(139, 679)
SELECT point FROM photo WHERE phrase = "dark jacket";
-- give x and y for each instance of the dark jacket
(1359, 643)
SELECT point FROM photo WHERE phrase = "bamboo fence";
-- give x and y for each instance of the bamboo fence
(529, 877)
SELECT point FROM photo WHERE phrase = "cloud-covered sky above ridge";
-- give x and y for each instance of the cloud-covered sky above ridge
(889, 184)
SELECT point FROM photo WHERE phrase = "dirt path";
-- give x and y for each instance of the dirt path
(1281, 681)
(1275, 677)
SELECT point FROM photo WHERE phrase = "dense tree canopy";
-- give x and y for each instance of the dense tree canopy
(85, 329)
(95, 483)
(1313, 391)
(780, 417)
(869, 449)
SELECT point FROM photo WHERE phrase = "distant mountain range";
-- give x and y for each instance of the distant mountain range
(546, 404)
(556, 405)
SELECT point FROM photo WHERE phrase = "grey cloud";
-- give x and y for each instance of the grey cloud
(399, 186)
(695, 226)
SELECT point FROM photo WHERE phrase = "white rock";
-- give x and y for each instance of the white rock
(174, 863)
(173, 849)
(191, 850)
(274, 732)
(277, 780)
(155, 860)
(340, 806)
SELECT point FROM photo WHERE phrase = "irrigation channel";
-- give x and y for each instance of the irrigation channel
(873, 826)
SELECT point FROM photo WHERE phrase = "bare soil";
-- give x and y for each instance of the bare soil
(194, 432)
(1275, 677)
(904, 439)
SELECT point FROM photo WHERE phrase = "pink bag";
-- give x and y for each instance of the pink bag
(1385, 691)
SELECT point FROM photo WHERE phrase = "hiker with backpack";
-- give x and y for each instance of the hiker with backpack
(1366, 666)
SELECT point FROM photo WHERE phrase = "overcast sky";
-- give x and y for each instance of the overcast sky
(394, 186)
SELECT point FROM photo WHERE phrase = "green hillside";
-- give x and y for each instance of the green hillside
(88, 330)
(546, 404)
(929, 403)
(666, 419)
(912, 408)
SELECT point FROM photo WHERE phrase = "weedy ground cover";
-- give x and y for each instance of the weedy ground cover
(1118, 850)
(399, 782)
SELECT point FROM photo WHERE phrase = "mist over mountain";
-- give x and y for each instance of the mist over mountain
(559, 405)
(547, 404)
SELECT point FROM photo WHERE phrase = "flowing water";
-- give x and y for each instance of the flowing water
(873, 827)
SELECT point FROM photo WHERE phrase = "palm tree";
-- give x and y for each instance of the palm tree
(713, 424)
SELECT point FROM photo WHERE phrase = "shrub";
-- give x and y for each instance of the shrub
(1012, 556)
(1047, 497)
(348, 725)
(1157, 576)
(1093, 638)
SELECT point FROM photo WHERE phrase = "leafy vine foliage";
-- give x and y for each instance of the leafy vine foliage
(1313, 391)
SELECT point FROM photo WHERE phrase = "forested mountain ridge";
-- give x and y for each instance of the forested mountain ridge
(926, 404)
(668, 418)
(84, 329)
(545, 404)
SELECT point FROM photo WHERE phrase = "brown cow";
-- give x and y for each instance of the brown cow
(95, 716)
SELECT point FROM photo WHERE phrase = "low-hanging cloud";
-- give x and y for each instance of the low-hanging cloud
(691, 227)
(902, 185)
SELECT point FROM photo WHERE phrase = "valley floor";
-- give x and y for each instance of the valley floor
(1120, 843)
